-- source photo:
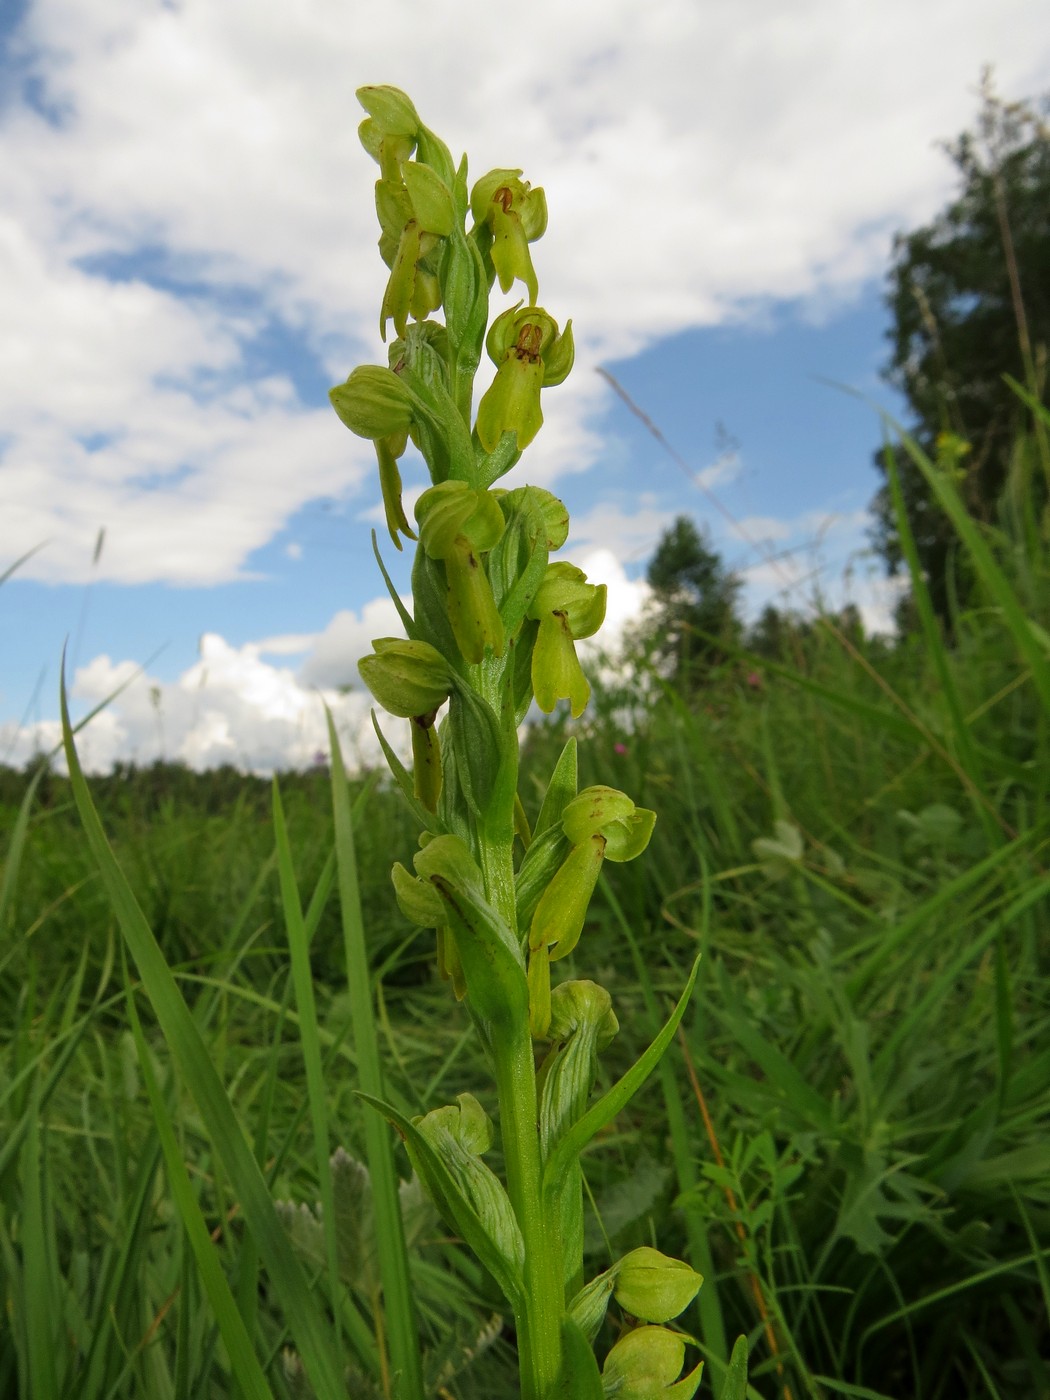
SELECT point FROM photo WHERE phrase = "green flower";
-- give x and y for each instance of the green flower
(413, 202)
(626, 828)
(601, 822)
(516, 215)
(390, 109)
(568, 608)
(408, 678)
(412, 289)
(653, 1286)
(646, 1365)
(375, 403)
(457, 525)
(530, 354)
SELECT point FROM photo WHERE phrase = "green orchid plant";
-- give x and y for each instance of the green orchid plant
(493, 628)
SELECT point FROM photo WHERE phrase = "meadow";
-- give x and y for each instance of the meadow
(848, 1137)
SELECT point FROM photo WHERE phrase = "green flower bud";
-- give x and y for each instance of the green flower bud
(459, 1134)
(529, 354)
(654, 1287)
(593, 810)
(646, 1364)
(449, 858)
(408, 678)
(565, 590)
(375, 403)
(465, 1121)
(552, 510)
(417, 899)
(516, 214)
(390, 109)
(579, 1003)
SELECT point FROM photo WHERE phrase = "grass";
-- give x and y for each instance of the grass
(850, 1139)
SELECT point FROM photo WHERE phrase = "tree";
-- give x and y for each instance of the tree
(694, 600)
(970, 300)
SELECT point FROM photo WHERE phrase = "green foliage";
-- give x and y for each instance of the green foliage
(969, 298)
(694, 605)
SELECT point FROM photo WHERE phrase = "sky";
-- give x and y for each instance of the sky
(188, 262)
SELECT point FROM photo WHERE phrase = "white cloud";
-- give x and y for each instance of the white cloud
(332, 662)
(760, 529)
(231, 706)
(627, 535)
(817, 561)
(626, 599)
(696, 158)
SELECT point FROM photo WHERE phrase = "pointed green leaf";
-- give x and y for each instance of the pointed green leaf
(451, 1201)
(570, 1147)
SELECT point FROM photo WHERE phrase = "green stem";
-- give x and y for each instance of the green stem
(539, 1328)
(539, 1322)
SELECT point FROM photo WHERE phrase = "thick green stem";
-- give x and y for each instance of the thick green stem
(539, 1322)
(539, 1328)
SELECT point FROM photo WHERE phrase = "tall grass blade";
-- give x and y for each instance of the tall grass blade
(932, 634)
(37, 1267)
(243, 1361)
(995, 581)
(402, 1328)
(305, 1319)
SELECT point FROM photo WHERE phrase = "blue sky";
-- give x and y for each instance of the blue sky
(187, 262)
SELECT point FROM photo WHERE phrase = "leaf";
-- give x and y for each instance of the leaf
(407, 622)
(403, 778)
(477, 745)
(560, 790)
(451, 1201)
(568, 1151)
(540, 864)
(734, 1387)
(580, 1378)
(492, 959)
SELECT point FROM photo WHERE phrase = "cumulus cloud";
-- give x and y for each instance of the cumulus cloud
(189, 252)
(178, 180)
(234, 705)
